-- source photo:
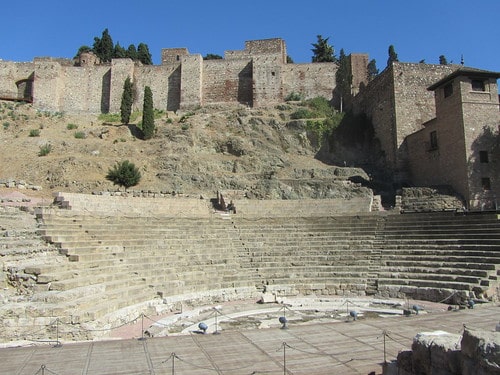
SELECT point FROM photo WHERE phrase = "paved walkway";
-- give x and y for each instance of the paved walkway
(355, 347)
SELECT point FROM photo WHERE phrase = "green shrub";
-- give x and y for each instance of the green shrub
(71, 126)
(45, 150)
(34, 132)
(6, 125)
(80, 135)
(293, 96)
(320, 106)
(124, 174)
(110, 117)
(302, 113)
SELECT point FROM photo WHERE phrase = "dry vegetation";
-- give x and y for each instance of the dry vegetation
(261, 151)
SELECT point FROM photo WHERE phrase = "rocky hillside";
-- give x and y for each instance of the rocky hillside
(262, 152)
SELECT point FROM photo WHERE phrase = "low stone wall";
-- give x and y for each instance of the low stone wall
(303, 207)
(122, 205)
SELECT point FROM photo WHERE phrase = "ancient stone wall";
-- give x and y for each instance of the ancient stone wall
(275, 46)
(267, 80)
(377, 102)
(309, 80)
(191, 81)
(359, 70)
(12, 72)
(227, 81)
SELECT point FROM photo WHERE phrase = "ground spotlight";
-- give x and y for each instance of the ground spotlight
(203, 327)
(283, 322)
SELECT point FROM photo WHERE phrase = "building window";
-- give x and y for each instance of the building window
(486, 183)
(483, 157)
(448, 90)
(434, 140)
(478, 85)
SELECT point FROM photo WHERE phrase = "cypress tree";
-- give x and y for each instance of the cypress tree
(343, 77)
(127, 100)
(148, 119)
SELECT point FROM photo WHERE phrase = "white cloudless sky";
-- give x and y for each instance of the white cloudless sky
(419, 29)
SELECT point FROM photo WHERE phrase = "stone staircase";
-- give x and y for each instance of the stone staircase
(328, 255)
(440, 256)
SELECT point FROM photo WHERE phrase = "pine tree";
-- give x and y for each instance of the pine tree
(119, 52)
(103, 47)
(143, 54)
(393, 56)
(127, 100)
(131, 52)
(148, 119)
(323, 52)
(372, 69)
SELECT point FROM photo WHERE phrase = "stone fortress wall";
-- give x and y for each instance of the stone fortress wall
(255, 76)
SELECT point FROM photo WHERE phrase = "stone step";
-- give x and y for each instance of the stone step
(415, 275)
(92, 308)
(110, 280)
(426, 283)
(429, 258)
(439, 266)
(473, 252)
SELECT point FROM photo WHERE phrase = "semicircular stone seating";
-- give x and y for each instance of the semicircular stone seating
(117, 256)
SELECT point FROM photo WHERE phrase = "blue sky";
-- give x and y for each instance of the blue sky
(420, 29)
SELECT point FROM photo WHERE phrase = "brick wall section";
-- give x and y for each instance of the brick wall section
(309, 80)
(191, 79)
(275, 46)
(173, 55)
(120, 70)
(49, 85)
(227, 81)
(359, 70)
(267, 80)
